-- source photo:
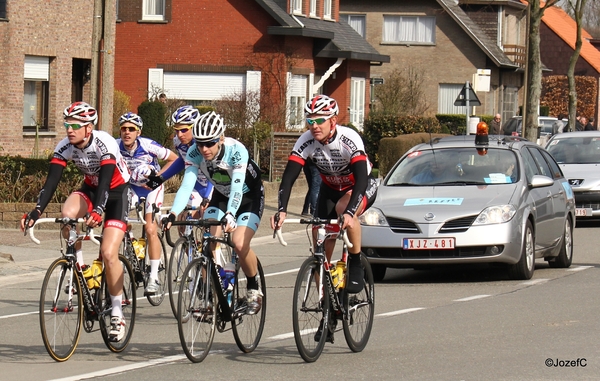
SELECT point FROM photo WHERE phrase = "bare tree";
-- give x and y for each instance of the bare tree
(577, 9)
(534, 67)
(590, 16)
(402, 93)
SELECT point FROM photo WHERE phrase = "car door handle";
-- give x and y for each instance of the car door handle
(549, 195)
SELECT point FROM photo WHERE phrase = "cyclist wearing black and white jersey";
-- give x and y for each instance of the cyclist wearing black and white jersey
(183, 120)
(347, 189)
(238, 198)
(141, 155)
(104, 191)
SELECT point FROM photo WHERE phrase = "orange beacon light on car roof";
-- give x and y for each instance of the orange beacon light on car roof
(481, 137)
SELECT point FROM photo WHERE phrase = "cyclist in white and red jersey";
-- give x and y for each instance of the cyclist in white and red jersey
(104, 191)
(141, 155)
(347, 189)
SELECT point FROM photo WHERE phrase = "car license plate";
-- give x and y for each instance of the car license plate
(428, 243)
(583, 212)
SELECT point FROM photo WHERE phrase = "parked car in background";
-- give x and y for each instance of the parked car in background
(453, 201)
(578, 155)
(545, 122)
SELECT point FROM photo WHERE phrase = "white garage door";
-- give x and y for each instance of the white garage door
(203, 86)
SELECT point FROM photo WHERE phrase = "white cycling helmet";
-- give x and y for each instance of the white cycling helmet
(81, 111)
(132, 118)
(321, 105)
(185, 115)
(208, 127)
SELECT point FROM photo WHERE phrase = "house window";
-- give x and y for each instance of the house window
(447, 94)
(154, 10)
(36, 92)
(357, 102)
(409, 29)
(327, 9)
(357, 22)
(297, 7)
(2, 9)
(297, 86)
(313, 8)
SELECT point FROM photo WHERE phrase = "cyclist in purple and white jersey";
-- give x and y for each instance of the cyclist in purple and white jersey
(141, 155)
(183, 118)
(239, 196)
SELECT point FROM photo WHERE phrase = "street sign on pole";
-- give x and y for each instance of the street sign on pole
(467, 95)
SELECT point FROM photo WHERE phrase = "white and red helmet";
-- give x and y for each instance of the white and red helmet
(81, 111)
(321, 105)
(208, 127)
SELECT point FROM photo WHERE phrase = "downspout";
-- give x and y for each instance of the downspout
(326, 76)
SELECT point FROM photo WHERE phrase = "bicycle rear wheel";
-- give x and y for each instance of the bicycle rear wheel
(197, 311)
(61, 310)
(361, 309)
(248, 329)
(180, 257)
(309, 312)
(128, 305)
(158, 298)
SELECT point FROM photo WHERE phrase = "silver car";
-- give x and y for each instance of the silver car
(578, 155)
(452, 201)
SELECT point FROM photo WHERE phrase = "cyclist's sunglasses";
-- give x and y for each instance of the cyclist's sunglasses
(130, 129)
(182, 129)
(74, 126)
(317, 120)
(208, 144)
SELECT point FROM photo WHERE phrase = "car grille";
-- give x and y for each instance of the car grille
(464, 252)
(459, 225)
(402, 226)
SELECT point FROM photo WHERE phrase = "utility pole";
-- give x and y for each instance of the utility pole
(95, 64)
(107, 84)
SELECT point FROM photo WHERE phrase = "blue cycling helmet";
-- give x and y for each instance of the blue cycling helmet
(185, 115)
(133, 118)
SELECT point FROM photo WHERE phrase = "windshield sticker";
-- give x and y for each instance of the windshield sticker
(498, 178)
(554, 142)
(414, 154)
(568, 189)
(433, 201)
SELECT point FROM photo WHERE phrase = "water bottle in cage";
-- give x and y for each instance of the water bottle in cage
(230, 277)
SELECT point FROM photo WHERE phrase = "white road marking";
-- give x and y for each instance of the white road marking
(579, 268)
(535, 281)
(400, 312)
(474, 297)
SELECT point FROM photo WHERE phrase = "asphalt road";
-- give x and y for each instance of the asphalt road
(460, 323)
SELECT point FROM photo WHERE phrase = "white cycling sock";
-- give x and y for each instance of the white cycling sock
(116, 305)
(79, 255)
(154, 264)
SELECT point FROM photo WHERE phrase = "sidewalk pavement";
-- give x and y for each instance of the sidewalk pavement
(20, 256)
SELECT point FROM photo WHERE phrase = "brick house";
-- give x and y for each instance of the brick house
(450, 42)
(558, 33)
(43, 62)
(284, 51)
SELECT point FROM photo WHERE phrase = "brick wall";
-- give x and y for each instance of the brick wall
(283, 142)
(59, 29)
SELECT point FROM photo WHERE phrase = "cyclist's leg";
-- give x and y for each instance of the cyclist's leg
(154, 247)
(76, 206)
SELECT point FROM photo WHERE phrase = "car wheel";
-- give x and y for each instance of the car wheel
(378, 272)
(565, 257)
(523, 269)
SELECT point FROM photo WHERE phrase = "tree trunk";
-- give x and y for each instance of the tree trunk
(577, 9)
(534, 80)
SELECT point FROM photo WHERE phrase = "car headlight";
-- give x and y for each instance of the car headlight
(495, 215)
(373, 217)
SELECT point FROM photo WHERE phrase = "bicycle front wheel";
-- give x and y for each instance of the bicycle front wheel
(197, 311)
(247, 329)
(361, 309)
(128, 305)
(310, 313)
(61, 310)
(180, 257)
(158, 298)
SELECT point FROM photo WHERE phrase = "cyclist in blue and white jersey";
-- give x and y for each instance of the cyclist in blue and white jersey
(183, 118)
(141, 155)
(238, 199)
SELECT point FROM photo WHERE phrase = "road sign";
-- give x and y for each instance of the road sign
(376, 81)
(461, 100)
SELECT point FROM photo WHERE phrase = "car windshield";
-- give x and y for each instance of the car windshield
(455, 166)
(575, 150)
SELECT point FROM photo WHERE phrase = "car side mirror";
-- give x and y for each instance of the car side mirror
(540, 181)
